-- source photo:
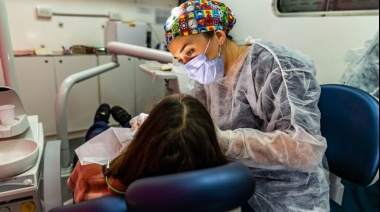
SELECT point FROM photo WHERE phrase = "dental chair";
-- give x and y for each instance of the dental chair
(223, 188)
(350, 123)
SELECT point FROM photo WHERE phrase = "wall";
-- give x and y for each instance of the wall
(325, 39)
(29, 32)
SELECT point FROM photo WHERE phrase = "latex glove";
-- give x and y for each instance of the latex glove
(137, 121)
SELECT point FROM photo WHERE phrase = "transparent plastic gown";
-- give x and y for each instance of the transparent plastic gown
(267, 113)
(363, 67)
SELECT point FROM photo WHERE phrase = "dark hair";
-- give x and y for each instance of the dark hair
(178, 135)
(181, 2)
(211, 33)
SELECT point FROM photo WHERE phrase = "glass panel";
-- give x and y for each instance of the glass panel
(287, 6)
(339, 5)
(290, 6)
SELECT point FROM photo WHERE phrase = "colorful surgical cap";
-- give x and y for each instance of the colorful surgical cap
(194, 17)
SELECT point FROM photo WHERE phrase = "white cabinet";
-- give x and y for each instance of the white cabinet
(36, 79)
(40, 77)
(117, 87)
(83, 99)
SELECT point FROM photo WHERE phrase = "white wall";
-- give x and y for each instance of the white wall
(29, 32)
(325, 39)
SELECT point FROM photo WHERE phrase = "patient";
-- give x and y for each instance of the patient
(177, 136)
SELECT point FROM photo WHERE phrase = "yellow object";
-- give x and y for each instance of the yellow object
(112, 188)
(43, 51)
(166, 67)
(28, 207)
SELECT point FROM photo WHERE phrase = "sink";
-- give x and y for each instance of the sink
(17, 156)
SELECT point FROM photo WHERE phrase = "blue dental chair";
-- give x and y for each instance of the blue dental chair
(217, 189)
(350, 123)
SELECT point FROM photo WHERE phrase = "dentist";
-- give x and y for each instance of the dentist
(263, 99)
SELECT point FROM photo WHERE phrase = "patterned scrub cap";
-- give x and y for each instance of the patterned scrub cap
(194, 17)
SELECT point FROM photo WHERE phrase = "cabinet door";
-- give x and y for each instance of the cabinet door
(83, 99)
(117, 87)
(148, 90)
(36, 81)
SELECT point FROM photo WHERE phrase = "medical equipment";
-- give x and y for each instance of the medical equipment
(21, 143)
(20, 124)
(178, 80)
(21, 148)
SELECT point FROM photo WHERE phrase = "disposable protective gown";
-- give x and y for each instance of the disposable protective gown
(363, 67)
(267, 113)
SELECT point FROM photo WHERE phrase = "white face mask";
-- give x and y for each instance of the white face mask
(204, 70)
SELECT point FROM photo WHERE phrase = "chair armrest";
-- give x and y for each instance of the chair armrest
(52, 175)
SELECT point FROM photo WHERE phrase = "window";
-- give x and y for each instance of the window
(325, 7)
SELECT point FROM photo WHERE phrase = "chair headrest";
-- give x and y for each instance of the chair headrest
(220, 188)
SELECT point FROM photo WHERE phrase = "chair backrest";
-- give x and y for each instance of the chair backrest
(350, 123)
(215, 189)
(221, 188)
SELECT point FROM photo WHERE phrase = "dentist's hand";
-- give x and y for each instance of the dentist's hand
(137, 121)
(224, 138)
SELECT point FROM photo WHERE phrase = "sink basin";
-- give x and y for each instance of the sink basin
(17, 156)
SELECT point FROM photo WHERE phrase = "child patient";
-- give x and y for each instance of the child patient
(177, 136)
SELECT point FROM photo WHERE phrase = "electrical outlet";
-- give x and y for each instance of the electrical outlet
(114, 16)
(44, 12)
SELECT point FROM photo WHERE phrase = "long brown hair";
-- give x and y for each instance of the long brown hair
(177, 136)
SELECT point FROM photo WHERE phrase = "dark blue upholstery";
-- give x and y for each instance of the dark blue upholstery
(109, 203)
(350, 123)
(215, 189)
(335, 207)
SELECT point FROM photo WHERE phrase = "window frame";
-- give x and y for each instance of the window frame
(277, 12)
